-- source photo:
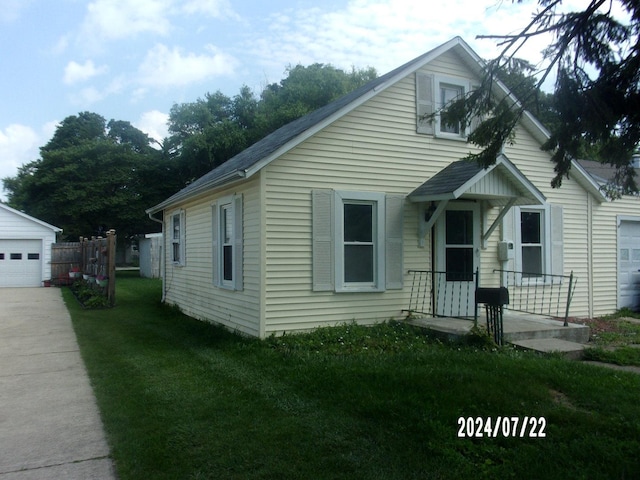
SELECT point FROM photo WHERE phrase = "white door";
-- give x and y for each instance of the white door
(457, 250)
(629, 264)
(20, 263)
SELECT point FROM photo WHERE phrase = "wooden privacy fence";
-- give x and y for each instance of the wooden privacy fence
(91, 259)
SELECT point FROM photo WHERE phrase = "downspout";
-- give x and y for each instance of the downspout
(163, 265)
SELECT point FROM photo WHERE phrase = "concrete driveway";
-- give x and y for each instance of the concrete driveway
(49, 422)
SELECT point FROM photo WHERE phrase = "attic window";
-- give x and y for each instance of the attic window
(448, 94)
(433, 94)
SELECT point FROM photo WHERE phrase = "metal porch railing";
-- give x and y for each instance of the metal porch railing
(539, 294)
(442, 294)
(439, 294)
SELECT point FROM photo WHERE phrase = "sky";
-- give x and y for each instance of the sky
(133, 60)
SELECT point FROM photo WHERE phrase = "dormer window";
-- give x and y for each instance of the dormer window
(448, 94)
(433, 95)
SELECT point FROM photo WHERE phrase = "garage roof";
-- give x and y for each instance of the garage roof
(30, 218)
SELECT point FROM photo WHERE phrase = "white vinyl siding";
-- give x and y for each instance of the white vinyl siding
(192, 288)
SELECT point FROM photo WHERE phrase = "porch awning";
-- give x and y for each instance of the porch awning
(500, 184)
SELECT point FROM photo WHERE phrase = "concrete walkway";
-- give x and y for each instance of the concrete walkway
(50, 427)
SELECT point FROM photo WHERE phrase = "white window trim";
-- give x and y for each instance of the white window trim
(180, 241)
(342, 197)
(455, 82)
(546, 244)
(222, 204)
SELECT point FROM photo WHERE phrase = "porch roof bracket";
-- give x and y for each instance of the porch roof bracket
(424, 224)
(496, 222)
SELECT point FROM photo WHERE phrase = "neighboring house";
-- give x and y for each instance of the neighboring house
(25, 249)
(322, 221)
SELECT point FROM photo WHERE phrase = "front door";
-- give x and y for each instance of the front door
(457, 251)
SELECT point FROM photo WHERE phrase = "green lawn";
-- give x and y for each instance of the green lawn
(181, 399)
(615, 339)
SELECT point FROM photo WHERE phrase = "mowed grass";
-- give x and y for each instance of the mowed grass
(615, 338)
(183, 399)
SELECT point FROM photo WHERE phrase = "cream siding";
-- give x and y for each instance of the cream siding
(191, 288)
(537, 167)
(374, 148)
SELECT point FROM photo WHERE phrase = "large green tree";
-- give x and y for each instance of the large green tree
(92, 176)
(595, 57)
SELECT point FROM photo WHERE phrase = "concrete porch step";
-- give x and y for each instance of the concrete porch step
(569, 349)
(518, 327)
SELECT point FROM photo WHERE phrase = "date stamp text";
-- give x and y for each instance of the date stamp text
(506, 427)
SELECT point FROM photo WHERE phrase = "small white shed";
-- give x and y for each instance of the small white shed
(25, 249)
(150, 248)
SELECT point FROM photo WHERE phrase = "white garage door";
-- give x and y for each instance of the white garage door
(20, 263)
(629, 265)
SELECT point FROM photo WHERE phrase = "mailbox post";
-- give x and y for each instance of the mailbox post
(494, 299)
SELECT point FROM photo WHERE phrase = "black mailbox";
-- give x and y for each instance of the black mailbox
(492, 296)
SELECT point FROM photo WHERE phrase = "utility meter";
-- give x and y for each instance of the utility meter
(506, 250)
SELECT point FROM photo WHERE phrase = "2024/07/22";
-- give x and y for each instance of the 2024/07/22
(514, 427)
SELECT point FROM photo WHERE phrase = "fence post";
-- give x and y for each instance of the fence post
(566, 312)
(111, 265)
(475, 303)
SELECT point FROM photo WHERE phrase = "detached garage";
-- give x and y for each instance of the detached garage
(25, 249)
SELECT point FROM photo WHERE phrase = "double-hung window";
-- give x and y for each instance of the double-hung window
(449, 93)
(227, 236)
(177, 238)
(539, 242)
(360, 245)
(434, 93)
(532, 241)
(226, 239)
(357, 241)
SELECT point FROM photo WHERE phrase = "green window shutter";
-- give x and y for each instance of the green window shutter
(322, 222)
(425, 103)
(214, 244)
(238, 268)
(557, 240)
(394, 268)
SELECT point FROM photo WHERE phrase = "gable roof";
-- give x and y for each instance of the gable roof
(30, 218)
(466, 179)
(261, 153)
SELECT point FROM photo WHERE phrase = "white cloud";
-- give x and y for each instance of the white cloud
(384, 33)
(118, 19)
(154, 124)
(11, 10)
(19, 144)
(88, 96)
(212, 8)
(108, 20)
(76, 73)
(164, 67)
